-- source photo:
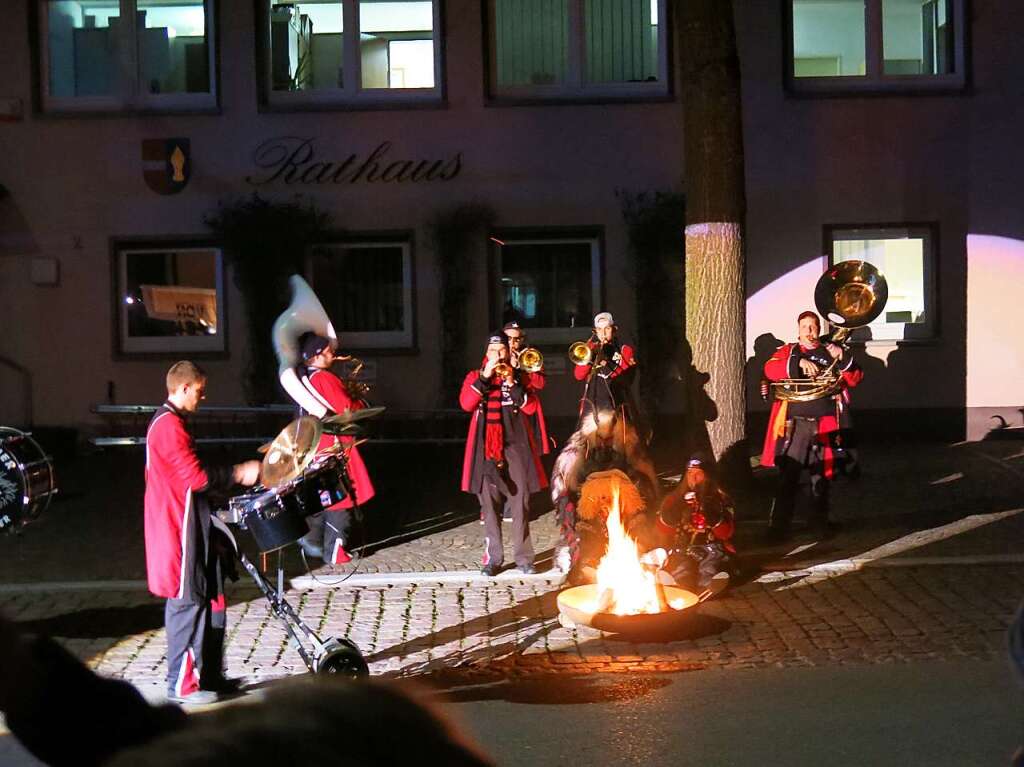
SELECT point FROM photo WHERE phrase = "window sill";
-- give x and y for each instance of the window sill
(65, 113)
(581, 100)
(389, 105)
(838, 87)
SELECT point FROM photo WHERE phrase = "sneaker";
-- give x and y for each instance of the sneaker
(563, 559)
(310, 549)
(197, 698)
(506, 517)
(528, 569)
(490, 570)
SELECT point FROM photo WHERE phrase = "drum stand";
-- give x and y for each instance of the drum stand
(330, 656)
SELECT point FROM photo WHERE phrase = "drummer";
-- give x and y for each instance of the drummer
(329, 531)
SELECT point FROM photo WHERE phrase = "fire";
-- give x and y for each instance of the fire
(624, 585)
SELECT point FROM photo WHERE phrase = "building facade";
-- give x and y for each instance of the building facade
(878, 129)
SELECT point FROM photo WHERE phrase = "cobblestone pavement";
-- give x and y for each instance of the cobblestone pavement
(441, 630)
(880, 593)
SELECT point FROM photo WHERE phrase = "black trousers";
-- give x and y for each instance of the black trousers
(330, 529)
(500, 489)
(195, 644)
(801, 449)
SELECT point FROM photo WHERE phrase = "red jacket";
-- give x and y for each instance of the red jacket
(333, 391)
(777, 368)
(534, 383)
(470, 398)
(177, 516)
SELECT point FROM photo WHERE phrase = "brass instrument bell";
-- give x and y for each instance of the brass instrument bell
(580, 353)
(531, 360)
(849, 295)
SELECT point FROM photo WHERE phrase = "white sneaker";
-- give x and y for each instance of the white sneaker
(563, 559)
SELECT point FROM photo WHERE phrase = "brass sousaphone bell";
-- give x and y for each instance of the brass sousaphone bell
(849, 295)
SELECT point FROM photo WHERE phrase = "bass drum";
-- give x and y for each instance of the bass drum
(27, 481)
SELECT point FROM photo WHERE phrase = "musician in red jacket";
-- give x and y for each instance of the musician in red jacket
(501, 463)
(182, 547)
(330, 530)
(610, 373)
(806, 434)
(534, 383)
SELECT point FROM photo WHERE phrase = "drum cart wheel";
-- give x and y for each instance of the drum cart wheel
(333, 656)
(340, 656)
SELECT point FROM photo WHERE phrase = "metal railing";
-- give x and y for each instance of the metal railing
(239, 424)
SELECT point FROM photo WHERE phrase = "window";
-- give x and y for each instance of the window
(906, 257)
(366, 288)
(170, 298)
(550, 285)
(577, 48)
(126, 55)
(350, 51)
(876, 44)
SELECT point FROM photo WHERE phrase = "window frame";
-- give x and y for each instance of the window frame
(377, 342)
(129, 98)
(576, 90)
(217, 347)
(352, 95)
(929, 230)
(874, 80)
(546, 336)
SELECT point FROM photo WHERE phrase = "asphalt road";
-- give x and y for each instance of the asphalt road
(943, 713)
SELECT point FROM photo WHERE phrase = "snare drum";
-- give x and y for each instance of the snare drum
(27, 481)
(275, 518)
(321, 486)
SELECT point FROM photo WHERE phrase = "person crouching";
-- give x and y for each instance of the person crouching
(698, 522)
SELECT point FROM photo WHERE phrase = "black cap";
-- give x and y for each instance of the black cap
(513, 325)
(311, 344)
(497, 337)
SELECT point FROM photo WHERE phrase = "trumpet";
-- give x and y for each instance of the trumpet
(531, 360)
(580, 353)
(503, 370)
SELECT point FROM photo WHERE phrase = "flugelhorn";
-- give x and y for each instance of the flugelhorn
(531, 360)
(849, 295)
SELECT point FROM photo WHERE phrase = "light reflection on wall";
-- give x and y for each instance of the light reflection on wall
(995, 354)
(774, 308)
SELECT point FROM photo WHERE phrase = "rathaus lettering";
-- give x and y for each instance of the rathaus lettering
(292, 160)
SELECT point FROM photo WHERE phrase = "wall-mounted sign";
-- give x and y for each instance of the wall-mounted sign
(166, 164)
(293, 160)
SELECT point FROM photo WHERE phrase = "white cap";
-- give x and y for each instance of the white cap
(603, 319)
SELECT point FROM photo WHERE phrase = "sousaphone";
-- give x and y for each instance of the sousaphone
(849, 295)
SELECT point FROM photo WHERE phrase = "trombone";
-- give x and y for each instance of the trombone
(581, 352)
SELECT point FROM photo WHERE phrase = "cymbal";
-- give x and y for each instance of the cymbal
(291, 451)
(350, 416)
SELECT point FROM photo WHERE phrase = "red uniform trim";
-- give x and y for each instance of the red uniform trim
(777, 368)
(330, 387)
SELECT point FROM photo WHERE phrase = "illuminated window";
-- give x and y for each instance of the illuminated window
(906, 257)
(169, 298)
(126, 55)
(367, 290)
(549, 284)
(350, 51)
(577, 48)
(876, 44)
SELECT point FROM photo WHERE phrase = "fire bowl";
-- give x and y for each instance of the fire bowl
(578, 606)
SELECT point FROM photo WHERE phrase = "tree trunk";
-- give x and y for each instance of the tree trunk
(715, 206)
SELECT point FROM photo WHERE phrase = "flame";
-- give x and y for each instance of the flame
(624, 585)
